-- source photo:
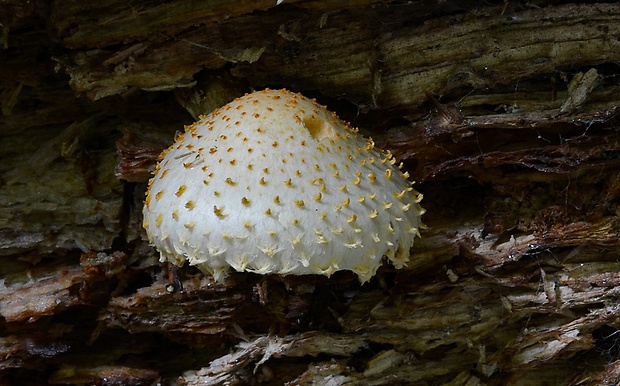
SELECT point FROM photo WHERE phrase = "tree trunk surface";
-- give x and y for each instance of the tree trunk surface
(504, 113)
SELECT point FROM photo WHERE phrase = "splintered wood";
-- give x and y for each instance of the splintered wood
(506, 114)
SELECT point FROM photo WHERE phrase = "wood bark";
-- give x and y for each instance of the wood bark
(505, 113)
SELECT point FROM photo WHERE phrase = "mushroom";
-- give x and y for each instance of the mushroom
(274, 183)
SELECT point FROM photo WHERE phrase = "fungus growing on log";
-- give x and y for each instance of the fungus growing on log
(274, 183)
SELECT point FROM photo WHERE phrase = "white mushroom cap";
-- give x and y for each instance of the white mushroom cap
(274, 183)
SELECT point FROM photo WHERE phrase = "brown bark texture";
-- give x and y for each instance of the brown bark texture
(505, 113)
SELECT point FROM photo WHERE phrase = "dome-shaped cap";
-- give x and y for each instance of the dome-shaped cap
(274, 183)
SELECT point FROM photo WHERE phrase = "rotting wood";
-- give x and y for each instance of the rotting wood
(505, 114)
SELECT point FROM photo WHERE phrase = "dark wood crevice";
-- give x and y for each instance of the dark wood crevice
(505, 113)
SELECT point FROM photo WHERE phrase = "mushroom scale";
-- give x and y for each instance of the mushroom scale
(274, 183)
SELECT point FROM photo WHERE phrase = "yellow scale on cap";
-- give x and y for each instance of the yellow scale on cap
(274, 183)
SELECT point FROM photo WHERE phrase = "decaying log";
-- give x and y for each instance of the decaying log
(505, 113)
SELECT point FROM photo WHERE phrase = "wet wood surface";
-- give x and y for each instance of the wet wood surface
(505, 113)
